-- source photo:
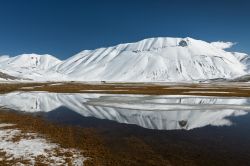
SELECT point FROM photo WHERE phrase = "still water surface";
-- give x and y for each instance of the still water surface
(187, 130)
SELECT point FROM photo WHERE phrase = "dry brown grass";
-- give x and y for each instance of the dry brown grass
(215, 89)
(68, 137)
(136, 151)
(86, 139)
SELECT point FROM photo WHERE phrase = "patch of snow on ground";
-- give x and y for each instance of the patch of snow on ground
(206, 92)
(109, 90)
(30, 147)
(5, 125)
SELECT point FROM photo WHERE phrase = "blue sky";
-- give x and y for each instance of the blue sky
(65, 27)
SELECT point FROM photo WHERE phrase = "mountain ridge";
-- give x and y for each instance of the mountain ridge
(161, 59)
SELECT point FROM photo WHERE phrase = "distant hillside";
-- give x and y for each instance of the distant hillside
(149, 60)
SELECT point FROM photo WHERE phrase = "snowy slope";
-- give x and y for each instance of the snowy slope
(149, 60)
(4, 76)
(244, 59)
(154, 59)
(152, 112)
(31, 66)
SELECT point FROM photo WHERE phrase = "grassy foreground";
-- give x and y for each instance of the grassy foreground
(127, 148)
(85, 139)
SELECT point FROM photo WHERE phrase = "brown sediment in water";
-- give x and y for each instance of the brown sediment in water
(200, 89)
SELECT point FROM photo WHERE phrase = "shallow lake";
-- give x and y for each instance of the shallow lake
(186, 130)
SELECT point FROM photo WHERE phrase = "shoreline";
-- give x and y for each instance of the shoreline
(198, 89)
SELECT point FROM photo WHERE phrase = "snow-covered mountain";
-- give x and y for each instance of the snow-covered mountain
(4, 77)
(244, 59)
(155, 59)
(28, 66)
(149, 60)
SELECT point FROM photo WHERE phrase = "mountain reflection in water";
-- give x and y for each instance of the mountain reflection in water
(151, 112)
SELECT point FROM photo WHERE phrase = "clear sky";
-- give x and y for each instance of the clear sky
(65, 27)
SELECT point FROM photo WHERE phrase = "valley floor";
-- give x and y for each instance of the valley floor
(234, 89)
(69, 145)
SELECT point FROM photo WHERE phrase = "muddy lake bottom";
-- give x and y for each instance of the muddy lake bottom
(137, 129)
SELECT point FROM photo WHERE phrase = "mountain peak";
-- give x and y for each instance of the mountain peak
(153, 43)
(165, 59)
(153, 59)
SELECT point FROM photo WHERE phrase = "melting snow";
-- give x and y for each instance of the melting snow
(31, 147)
